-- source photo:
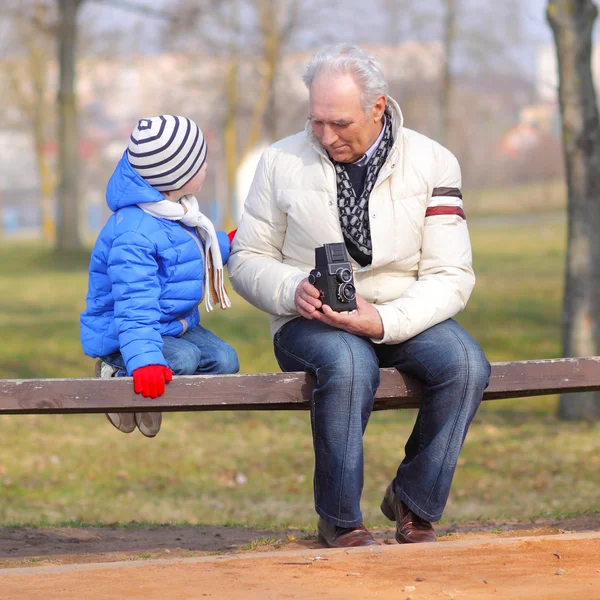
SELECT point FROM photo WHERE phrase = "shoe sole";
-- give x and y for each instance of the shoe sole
(120, 427)
(147, 431)
(325, 543)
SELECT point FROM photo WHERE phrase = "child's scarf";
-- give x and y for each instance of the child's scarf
(213, 265)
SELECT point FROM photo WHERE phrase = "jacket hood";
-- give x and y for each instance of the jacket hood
(397, 124)
(126, 187)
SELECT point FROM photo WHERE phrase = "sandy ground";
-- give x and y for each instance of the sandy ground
(543, 560)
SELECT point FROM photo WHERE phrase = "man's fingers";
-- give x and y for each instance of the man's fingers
(307, 315)
(331, 317)
(334, 315)
(312, 301)
(309, 289)
(304, 308)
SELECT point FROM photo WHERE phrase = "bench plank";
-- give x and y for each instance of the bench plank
(277, 391)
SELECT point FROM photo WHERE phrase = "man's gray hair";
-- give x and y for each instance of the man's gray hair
(349, 58)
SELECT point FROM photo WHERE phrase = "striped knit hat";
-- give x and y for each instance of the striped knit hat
(167, 151)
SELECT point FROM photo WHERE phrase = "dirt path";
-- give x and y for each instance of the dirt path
(553, 567)
(545, 560)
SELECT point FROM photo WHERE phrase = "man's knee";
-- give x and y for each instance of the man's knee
(467, 363)
(350, 359)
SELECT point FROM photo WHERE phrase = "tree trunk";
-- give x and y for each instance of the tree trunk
(230, 138)
(39, 69)
(268, 64)
(69, 198)
(446, 87)
(572, 22)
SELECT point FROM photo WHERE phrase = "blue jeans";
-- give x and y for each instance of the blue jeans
(445, 358)
(196, 352)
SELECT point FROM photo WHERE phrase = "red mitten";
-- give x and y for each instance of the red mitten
(231, 235)
(149, 381)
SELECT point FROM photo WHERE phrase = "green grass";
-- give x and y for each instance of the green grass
(524, 199)
(261, 543)
(518, 460)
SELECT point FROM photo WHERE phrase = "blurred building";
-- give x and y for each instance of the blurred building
(19, 183)
(546, 71)
(520, 138)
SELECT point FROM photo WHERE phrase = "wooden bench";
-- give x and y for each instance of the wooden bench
(277, 391)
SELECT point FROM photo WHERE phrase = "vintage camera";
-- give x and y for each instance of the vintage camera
(332, 276)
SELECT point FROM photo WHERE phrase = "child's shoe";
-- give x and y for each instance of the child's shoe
(124, 422)
(148, 423)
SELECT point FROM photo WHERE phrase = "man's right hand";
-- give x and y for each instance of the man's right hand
(307, 299)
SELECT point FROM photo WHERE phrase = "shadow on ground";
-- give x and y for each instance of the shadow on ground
(64, 545)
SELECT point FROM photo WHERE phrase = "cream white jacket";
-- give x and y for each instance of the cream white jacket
(421, 271)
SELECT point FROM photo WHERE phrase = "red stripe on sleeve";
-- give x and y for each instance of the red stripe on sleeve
(434, 211)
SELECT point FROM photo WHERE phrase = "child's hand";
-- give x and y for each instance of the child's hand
(150, 380)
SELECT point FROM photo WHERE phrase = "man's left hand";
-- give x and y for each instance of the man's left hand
(364, 321)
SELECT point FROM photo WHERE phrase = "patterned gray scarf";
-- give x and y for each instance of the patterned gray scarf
(354, 211)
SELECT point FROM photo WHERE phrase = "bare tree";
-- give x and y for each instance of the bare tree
(33, 31)
(251, 56)
(572, 22)
(68, 237)
(449, 40)
(36, 25)
(69, 192)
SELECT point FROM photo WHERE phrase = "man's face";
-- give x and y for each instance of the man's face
(339, 121)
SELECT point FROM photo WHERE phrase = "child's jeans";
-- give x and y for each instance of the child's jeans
(196, 352)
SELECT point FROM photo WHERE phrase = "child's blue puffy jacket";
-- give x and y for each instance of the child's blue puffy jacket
(146, 276)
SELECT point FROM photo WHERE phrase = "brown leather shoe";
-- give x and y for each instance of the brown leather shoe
(333, 536)
(410, 528)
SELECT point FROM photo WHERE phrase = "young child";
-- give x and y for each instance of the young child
(153, 262)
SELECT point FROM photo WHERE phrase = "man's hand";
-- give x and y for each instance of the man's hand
(307, 300)
(364, 321)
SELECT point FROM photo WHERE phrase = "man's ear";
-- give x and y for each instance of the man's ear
(379, 108)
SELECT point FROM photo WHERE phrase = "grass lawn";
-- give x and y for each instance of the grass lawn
(256, 467)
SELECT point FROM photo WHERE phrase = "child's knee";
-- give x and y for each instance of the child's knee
(227, 361)
(185, 360)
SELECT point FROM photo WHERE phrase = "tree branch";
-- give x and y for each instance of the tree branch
(140, 8)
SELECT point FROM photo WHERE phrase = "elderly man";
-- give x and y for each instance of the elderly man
(355, 175)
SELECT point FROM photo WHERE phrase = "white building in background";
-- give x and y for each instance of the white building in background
(244, 177)
(18, 167)
(546, 72)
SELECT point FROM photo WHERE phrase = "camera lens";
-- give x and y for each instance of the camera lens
(346, 292)
(343, 275)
